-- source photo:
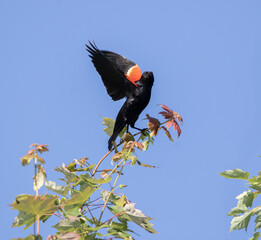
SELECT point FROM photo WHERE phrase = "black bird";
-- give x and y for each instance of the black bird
(122, 78)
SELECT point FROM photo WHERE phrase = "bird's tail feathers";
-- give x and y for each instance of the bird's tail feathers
(116, 132)
(112, 139)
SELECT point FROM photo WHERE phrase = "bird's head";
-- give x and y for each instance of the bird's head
(148, 76)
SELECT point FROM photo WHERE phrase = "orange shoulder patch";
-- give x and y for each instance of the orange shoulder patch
(134, 74)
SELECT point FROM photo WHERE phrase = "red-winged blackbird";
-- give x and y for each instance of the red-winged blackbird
(122, 78)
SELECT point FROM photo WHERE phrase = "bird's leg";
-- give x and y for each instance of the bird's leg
(127, 131)
(142, 130)
(138, 128)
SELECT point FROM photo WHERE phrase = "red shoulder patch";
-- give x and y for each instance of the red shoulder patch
(134, 74)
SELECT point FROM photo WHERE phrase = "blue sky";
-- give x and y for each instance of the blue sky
(205, 56)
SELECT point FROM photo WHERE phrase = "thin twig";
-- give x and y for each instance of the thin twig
(54, 214)
(37, 194)
(113, 217)
(111, 192)
(99, 163)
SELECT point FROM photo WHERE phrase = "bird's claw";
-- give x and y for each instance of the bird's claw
(144, 131)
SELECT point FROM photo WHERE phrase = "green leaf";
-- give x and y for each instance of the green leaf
(145, 145)
(121, 201)
(236, 174)
(109, 124)
(133, 160)
(62, 190)
(94, 229)
(120, 234)
(80, 197)
(237, 210)
(113, 198)
(27, 219)
(127, 154)
(85, 169)
(255, 180)
(258, 221)
(30, 237)
(35, 205)
(68, 236)
(240, 222)
(71, 177)
(70, 224)
(246, 198)
(95, 180)
(255, 183)
(121, 186)
(73, 210)
(256, 187)
(39, 179)
(256, 236)
(130, 213)
(71, 167)
(24, 218)
(25, 160)
(120, 226)
(145, 165)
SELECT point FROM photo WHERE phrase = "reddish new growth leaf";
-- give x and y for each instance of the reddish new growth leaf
(154, 125)
(116, 157)
(40, 148)
(25, 160)
(138, 145)
(171, 116)
(131, 144)
(127, 137)
(167, 133)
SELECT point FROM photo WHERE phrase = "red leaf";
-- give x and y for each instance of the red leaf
(153, 124)
(171, 115)
(167, 133)
(42, 148)
(168, 114)
(138, 145)
(176, 127)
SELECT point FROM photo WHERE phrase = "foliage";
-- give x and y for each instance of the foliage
(83, 192)
(244, 211)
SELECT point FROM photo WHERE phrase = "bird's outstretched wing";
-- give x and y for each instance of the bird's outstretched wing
(117, 72)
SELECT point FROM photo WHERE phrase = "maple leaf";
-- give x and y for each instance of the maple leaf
(42, 148)
(127, 137)
(33, 145)
(171, 116)
(30, 152)
(173, 123)
(138, 145)
(167, 133)
(131, 144)
(154, 125)
(117, 156)
(25, 160)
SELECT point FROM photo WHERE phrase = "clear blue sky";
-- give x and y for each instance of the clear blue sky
(206, 59)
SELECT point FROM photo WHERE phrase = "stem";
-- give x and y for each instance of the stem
(90, 213)
(111, 191)
(35, 180)
(99, 163)
(114, 169)
(37, 194)
(113, 217)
